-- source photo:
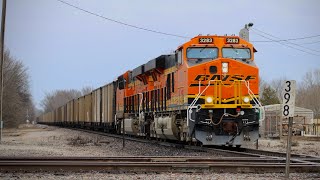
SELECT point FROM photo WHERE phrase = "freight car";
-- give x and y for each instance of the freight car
(206, 92)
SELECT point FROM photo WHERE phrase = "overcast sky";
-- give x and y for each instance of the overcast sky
(65, 48)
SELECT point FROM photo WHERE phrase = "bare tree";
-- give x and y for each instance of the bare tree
(277, 85)
(86, 90)
(17, 100)
(308, 93)
(262, 85)
(58, 98)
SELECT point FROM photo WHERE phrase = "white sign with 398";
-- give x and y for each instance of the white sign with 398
(288, 101)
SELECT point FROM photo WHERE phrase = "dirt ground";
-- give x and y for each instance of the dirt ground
(41, 140)
(298, 145)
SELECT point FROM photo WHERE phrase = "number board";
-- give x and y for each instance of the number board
(232, 40)
(288, 101)
(205, 40)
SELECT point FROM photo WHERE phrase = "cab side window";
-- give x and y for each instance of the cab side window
(179, 56)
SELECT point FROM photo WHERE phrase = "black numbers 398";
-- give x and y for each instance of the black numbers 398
(288, 99)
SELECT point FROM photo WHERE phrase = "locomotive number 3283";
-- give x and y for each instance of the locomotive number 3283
(232, 40)
(205, 40)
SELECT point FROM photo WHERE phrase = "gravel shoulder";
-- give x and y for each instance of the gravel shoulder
(40, 140)
(169, 176)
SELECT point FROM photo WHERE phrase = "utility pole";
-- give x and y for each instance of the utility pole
(3, 22)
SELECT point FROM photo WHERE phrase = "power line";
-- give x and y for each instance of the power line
(175, 35)
(284, 44)
(311, 42)
(122, 23)
(292, 39)
(286, 41)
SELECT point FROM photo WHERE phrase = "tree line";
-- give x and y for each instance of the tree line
(57, 98)
(18, 105)
(17, 99)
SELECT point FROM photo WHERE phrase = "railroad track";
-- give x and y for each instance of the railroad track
(234, 152)
(283, 155)
(145, 164)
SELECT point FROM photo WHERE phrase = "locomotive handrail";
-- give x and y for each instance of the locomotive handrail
(255, 99)
(140, 105)
(195, 100)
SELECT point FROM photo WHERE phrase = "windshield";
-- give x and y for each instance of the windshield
(202, 53)
(198, 55)
(236, 53)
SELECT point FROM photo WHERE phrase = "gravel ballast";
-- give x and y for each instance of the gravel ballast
(179, 176)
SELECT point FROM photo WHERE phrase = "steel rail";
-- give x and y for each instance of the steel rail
(150, 164)
(144, 159)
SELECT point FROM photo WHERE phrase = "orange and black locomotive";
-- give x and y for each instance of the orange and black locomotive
(206, 92)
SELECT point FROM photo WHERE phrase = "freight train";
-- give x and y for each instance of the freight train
(206, 92)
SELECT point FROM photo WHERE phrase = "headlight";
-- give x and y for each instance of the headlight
(209, 99)
(246, 99)
(225, 67)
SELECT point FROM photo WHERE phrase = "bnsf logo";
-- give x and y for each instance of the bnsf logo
(225, 78)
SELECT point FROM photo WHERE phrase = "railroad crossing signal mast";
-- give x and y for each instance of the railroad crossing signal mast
(244, 32)
(288, 104)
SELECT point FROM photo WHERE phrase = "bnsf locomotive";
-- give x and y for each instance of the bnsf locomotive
(206, 92)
